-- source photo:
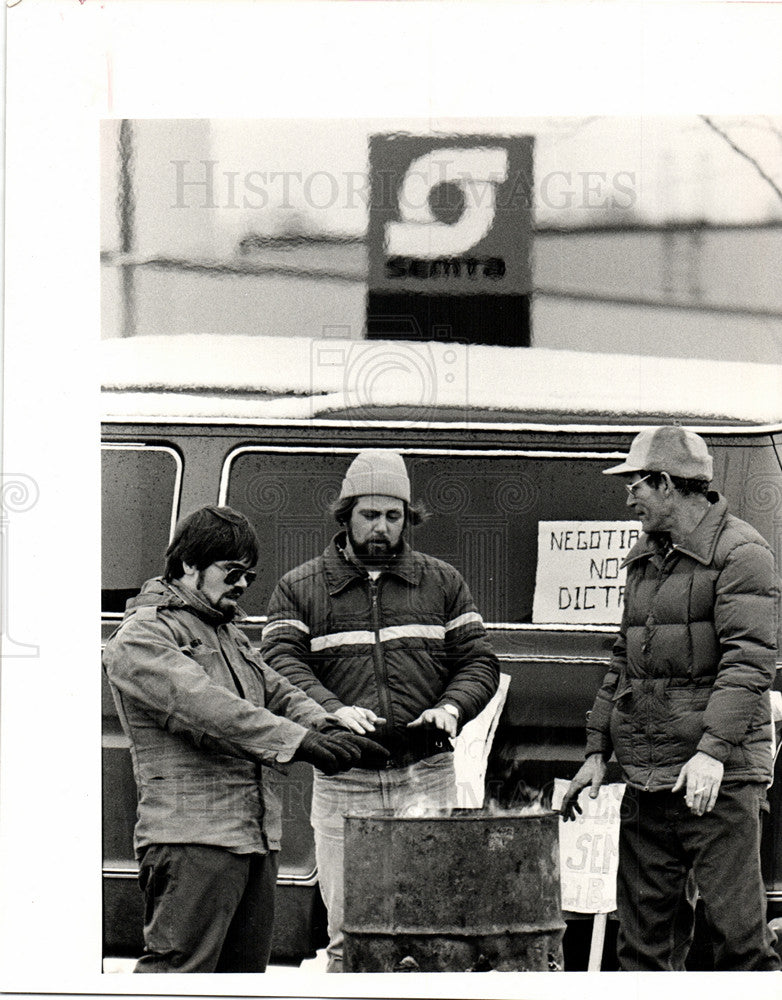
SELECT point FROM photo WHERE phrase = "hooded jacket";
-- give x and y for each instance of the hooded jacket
(412, 640)
(695, 657)
(202, 712)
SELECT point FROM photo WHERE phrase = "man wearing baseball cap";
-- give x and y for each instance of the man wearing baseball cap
(388, 640)
(685, 707)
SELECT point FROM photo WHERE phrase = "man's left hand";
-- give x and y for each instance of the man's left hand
(437, 717)
(700, 778)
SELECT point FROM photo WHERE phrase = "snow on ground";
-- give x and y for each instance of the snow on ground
(169, 376)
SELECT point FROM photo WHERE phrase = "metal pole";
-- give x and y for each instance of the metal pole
(126, 210)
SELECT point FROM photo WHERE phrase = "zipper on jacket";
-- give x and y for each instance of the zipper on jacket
(663, 572)
(381, 674)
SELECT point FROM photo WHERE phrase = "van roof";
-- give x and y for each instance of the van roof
(241, 378)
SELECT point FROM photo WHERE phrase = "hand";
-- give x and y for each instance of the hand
(700, 778)
(327, 751)
(592, 772)
(359, 720)
(437, 717)
(371, 754)
(338, 750)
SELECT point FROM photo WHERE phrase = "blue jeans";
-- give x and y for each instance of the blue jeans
(430, 782)
(659, 841)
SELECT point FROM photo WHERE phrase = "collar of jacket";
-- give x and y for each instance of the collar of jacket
(341, 571)
(158, 593)
(699, 544)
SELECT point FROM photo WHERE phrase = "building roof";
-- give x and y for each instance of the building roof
(284, 378)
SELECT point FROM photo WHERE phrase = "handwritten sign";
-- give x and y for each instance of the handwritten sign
(579, 578)
(589, 849)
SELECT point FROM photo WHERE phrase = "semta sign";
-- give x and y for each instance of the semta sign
(449, 237)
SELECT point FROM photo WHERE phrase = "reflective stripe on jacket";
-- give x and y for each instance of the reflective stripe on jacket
(202, 712)
(410, 641)
(695, 656)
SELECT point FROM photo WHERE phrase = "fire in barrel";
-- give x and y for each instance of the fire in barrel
(468, 890)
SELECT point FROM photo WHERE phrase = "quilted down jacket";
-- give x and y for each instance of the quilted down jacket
(410, 641)
(695, 657)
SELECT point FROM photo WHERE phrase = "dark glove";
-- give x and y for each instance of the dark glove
(329, 753)
(338, 750)
(373, 754)
(329, 723)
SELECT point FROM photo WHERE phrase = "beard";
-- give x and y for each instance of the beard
(376, 553)
(227, 604)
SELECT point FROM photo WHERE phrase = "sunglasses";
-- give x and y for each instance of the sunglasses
(631, 486)
(233, 576)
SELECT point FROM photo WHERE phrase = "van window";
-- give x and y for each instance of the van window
(140, 500)
(485, 512)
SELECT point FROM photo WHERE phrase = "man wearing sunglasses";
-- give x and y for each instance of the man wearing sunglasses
(685, 706)
(203, 715)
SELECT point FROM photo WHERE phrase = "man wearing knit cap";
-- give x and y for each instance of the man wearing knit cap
(390, 641)
(685, 707)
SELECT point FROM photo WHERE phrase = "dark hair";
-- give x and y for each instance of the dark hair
(208, 535)
(342, 509)
(687, 487)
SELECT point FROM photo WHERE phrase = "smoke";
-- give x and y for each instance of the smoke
(421, 808)
(511, 798)
(534, 808)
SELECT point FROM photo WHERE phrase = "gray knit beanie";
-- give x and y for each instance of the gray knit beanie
(376, 472)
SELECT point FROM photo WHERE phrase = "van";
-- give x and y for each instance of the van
(268, 427)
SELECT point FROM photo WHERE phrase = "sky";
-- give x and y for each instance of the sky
(677, 167)
(278, 175)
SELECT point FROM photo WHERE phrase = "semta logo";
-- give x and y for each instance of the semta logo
(474, 173)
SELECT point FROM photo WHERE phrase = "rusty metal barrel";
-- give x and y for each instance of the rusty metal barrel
(459, 892)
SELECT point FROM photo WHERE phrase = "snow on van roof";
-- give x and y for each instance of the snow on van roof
(241, 377)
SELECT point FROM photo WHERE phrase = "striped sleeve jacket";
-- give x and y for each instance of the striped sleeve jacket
(412, 640)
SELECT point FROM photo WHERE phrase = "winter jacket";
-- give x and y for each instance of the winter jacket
(202, 713)
(695, 656)
(412, 640)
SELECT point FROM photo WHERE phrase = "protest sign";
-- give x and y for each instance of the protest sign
(579, 577)
(589, 849)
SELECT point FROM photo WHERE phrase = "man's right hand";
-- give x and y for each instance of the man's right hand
(359, 720)
(592, 772)
(333, 752)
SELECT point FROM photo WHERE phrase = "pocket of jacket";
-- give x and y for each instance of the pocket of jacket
(684, 714)
(622, 697)
(202, 655)
(189, 649)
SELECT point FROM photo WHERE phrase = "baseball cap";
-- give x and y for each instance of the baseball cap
(670, 449)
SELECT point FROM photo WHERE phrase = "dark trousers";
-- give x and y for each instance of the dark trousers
(660, 840)
(206, 909)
